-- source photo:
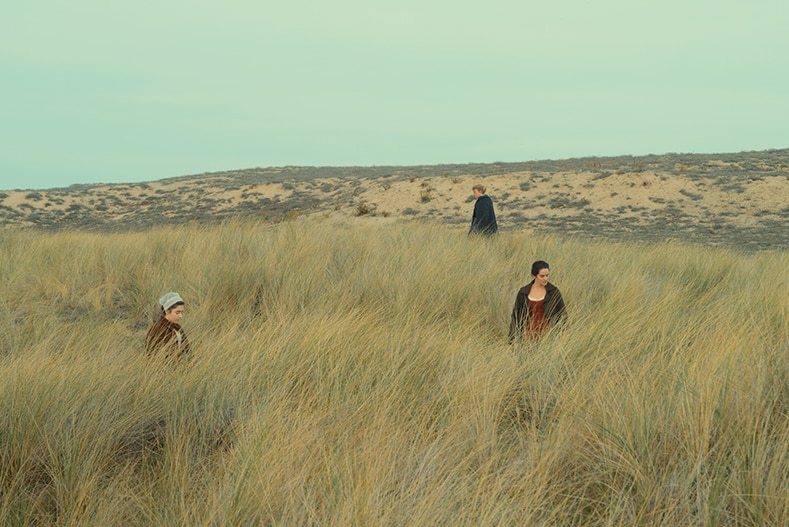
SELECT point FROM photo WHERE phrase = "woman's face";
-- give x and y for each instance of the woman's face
(542, 277)
(174, 314)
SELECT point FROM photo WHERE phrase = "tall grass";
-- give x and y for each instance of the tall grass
(361, 376)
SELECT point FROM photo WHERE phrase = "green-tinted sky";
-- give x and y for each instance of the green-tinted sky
(103, 91)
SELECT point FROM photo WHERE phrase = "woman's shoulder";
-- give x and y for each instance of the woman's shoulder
(159, 325)
(161, 321)
(552, 290)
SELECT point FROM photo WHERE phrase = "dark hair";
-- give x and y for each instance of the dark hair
(537, 266)
(172, 307)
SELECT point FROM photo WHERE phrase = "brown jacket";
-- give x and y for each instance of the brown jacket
(168, 338)
(555, 310)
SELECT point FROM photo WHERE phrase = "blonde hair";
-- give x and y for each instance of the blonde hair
(479, 187)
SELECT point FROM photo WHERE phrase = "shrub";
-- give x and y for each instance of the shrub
(364, 208)
(426, 194)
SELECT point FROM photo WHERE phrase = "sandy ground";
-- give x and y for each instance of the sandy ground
(739, 196)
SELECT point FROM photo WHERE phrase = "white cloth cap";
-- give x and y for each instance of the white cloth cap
(169, 300)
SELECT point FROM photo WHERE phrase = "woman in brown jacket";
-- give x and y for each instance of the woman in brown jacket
(167, 336)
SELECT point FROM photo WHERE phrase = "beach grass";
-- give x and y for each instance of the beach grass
(361, 375)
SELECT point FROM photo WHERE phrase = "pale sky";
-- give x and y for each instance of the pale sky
(116, 91)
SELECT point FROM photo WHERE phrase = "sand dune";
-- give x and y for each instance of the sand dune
(735, 199)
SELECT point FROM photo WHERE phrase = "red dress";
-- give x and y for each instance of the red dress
(537, 322)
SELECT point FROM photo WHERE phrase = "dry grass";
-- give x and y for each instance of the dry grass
(361, 376)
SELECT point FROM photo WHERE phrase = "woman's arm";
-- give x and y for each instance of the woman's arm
(516, 319)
